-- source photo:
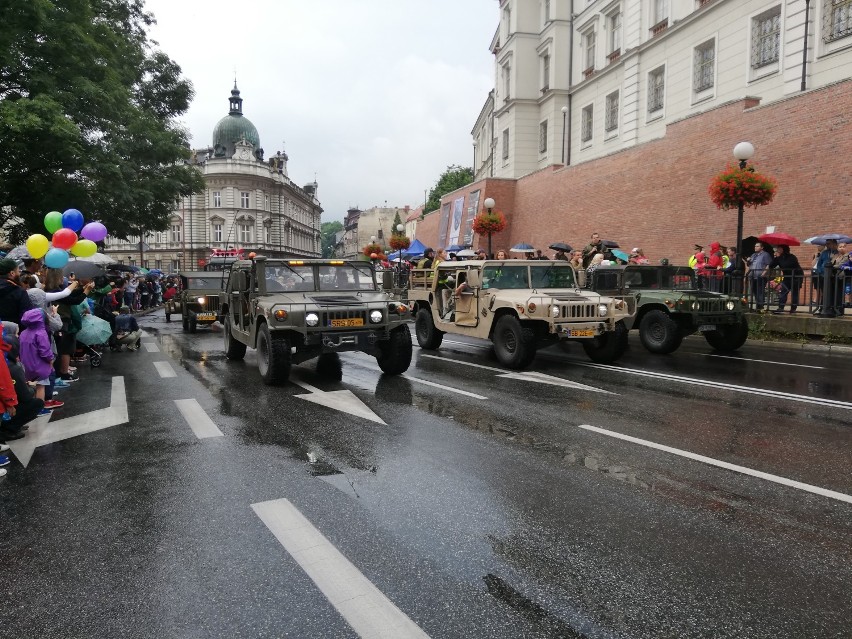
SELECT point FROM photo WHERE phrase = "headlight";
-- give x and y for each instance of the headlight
(201, 300)
(695, 306)
(603, 309)
(311, 319)
(730, 305)
(376, 317)
(555, 311)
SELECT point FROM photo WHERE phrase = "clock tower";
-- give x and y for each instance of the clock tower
(243, 150)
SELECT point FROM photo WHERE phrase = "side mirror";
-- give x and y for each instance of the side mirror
(581, 279)
(474, 278)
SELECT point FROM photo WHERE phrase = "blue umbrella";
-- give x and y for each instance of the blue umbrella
(620, 254)
(821, 239)
(523, 248)
(455, 248)
(94, 331)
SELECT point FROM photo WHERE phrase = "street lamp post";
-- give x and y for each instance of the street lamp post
(489, 204)
(743, 152)
(564, 115)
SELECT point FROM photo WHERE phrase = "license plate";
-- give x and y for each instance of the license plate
(706, 327)
(205, 316)
(345, 323)
(587, 332)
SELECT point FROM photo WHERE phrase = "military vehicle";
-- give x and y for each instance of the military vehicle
(198, 300)
(295, 310)
(520, 305)
(671, 306)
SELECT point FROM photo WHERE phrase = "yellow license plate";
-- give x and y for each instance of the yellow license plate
(588, 332)
(344, 323)
(205, 316)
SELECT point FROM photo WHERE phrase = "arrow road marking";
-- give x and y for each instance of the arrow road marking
(721, 464)
(42, 432)
(197, 418)
(442, 387)
(342, 400)
(364, 607)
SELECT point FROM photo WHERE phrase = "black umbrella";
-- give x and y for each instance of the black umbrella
(561, 246)
(610, 244)
(84, 270)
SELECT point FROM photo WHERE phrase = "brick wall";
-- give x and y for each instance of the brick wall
(655, 195)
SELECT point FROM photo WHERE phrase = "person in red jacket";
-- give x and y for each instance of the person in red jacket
(714, 267)
(8, 396)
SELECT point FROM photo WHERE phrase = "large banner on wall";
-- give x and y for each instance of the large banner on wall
(472, 206)
(442, 230)
(455, 226)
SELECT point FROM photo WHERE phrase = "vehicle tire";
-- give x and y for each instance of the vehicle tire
(607, 348)
(185, 323)
(95, 361)
(273, 357)
(659, 333)
(728, 337)
(394, 355)
(428, 336)
(234, 349)
(329, 366)
(513, 344)
(193, 324)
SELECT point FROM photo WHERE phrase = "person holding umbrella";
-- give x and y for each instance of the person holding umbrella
(792, 276)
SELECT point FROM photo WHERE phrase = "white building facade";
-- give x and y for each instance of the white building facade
(248, 203)
(576, 80)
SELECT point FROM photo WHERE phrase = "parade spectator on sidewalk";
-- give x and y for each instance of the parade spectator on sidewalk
(14, 301)
(825, 257)
(757, 265)
(792, 276)
(127, 331)
(29, 406)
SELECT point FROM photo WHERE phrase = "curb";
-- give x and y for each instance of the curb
(825, 349)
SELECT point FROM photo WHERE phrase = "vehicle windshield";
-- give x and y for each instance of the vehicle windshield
(552, 276)
(282, 277)
(209, 282)
(666, 278)
(505, 276)
(346, 277)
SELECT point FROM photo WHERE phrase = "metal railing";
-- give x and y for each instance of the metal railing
(827, 294)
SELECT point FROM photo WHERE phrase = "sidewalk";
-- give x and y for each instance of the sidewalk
(803, 323)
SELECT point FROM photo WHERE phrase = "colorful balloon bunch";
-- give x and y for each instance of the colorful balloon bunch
(64, 228)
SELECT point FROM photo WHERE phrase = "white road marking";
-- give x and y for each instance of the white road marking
(721, 464)
(525, 376)
(43, 432)
(165, 369)
(364, 607)
(441, 386)
(763, 361)
(819, 401)
(151, 347)
(197, 418)
(342, 400)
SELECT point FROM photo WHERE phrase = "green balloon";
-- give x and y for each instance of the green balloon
(53, 221)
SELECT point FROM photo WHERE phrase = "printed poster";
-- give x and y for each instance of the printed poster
(445, 215)
(455, 226)
(472, 207)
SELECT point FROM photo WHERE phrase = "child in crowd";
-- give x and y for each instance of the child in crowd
(36, 354)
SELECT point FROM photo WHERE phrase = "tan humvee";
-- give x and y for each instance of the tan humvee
(520, 305)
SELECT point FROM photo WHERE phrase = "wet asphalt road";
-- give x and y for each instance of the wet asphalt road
(486, 514)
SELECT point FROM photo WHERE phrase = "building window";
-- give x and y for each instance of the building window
(766, 38)
(158, 237)
(175, 232)
(611, 116)
(545, 72)
(587, 123)
(158, 264)
(506, 144)
(656, 89)
(507, 82)
(175, 266)
(266, 203)
(507, 19)
(217, 199)
(542, 137)
(547, 10)
(704, 62)
(661, 11)
(217, 232)
(244, 199)
(614, 22)
(838, 19)
(380, 234)
(589, 48)
(245, 232)
(267, 233)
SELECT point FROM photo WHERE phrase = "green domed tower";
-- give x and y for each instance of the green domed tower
(233, 128)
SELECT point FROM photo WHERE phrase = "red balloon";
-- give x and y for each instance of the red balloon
(64, 239)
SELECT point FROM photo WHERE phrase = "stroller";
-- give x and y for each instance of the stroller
(96, 332)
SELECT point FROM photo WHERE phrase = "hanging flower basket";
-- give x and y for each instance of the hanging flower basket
(399, 242)
(487, 223)
(735, 186)
(374, 249)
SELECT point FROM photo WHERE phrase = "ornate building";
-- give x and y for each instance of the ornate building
(248, 203)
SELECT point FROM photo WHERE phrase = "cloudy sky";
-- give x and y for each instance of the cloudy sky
(374, 97)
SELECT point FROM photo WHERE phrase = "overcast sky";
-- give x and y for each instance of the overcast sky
(375, 97)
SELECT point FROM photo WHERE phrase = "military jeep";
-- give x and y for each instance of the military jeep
(670, 306)
(198, 300)
(295, 310)
(520, 306)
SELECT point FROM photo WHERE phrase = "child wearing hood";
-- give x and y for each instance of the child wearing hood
(36, 354)
(28, 407)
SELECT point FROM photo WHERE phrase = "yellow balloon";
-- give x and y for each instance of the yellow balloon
(37, 245)
(84, 248)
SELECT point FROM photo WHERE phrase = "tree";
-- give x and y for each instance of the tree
(453, 178)
(87, 117)
(329, 232)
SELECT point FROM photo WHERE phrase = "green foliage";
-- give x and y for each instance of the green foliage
(329, 230)
(453, 178)
(87, 110)
(397, 220)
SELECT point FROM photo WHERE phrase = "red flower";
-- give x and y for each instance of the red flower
(486, 223)
(399, 242)
(735, 186)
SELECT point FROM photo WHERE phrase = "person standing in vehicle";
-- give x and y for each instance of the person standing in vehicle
(591, 249)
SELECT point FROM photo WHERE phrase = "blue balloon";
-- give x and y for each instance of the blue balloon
(72, 219)
(56, 258)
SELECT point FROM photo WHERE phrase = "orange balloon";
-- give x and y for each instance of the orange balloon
(252, 255)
